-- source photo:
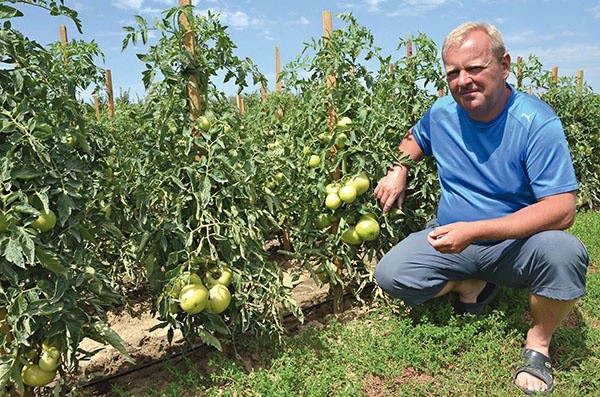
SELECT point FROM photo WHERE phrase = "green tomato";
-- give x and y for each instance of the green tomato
(279, 177)
(348, 194)
(350, 236)
(70, 140)
(323, 221)
(107, 209)
(193, 298)
(45, 222)
(219, 298)
(345, 123)
(341, 140)
(361, 183)
(333, 201)
(49, 359)
(219, 275)
(205, 124)
(34, 376)
(332, 188)
(314, 161)
(174, 288)
(367, 229)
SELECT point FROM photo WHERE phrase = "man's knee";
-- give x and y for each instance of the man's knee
(559, 247)
(560, 263)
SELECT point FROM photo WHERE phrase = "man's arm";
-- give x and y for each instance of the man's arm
(391, 189)
(556, 212)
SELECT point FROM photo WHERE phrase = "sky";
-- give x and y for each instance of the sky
(561, 33)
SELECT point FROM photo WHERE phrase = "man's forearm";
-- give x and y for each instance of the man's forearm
(551, 213)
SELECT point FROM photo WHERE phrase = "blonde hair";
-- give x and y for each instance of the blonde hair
(459, 34)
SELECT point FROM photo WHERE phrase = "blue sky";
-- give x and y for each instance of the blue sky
(561, 33)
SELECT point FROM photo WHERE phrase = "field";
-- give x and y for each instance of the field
(371, 349)
(243, 229)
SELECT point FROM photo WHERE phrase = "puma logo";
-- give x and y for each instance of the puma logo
(527, 116)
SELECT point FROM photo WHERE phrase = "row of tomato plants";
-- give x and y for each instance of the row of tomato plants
(93, 211)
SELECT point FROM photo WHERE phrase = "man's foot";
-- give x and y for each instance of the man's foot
(485, 297)
(539, 369)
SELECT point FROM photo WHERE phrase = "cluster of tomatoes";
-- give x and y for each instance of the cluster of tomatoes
(41, 365)
(341, 193)
(344, 192)
(192, 294)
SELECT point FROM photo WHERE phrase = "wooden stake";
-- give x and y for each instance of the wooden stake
(62, 29)
(331, 80)
(519, 72)
(263, 92)
(555, 74)
(337, 289)
(109, 92)
(97, 106)
(579, 80)
(240, 103)
(189, 44)
(277, 70)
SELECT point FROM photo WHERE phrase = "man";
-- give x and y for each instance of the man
(508, 191)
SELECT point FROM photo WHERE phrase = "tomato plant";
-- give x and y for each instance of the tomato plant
(202, 204)
(47, 188)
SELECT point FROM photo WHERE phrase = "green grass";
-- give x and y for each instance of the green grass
(389, 351)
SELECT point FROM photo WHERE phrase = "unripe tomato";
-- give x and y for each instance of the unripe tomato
(333, 201)
(204, 123)
(332, 188)
(323, 221)
(34, 376)
(314, 161)
(350, 236)
(367, 228)
(45, 222)
(348, 194)
(341, 140)
(361, 183)
(219, 298)
(345, 123)
(219, 275)
(49, 359)
(193, 298)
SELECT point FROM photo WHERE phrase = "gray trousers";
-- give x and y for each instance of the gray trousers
(552, 264)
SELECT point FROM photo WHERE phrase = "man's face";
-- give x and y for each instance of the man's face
(476, 78)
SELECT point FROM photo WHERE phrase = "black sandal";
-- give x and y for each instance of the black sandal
(485, 298)
(538, 365)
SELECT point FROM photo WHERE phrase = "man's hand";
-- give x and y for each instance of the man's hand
(391, 189)
(452, 238)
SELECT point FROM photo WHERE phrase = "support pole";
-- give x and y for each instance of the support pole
(110, 93)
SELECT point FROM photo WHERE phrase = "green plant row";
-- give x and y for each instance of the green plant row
(155, 201)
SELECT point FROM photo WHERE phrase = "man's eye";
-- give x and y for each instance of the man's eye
(475, 69)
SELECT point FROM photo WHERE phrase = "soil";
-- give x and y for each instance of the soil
(151, 350)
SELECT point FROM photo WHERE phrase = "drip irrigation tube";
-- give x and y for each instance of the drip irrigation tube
(139, 367)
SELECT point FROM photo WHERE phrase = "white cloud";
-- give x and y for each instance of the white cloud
(137, 6)
(237, 19)
(129, 4)
(373, 5)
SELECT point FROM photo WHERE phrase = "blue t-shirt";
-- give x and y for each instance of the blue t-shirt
(492, 169)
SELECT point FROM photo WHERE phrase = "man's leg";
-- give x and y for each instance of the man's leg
(415, 272)
(547, 316)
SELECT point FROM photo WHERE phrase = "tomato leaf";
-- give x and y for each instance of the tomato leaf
(102, 333)
(50, 261)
